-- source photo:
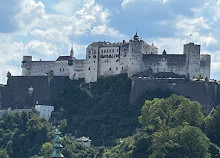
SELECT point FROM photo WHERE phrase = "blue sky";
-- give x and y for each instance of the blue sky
(46, 29)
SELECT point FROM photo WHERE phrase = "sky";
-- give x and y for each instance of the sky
(46, 29)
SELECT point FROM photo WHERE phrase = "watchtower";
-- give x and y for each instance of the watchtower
(192, 52)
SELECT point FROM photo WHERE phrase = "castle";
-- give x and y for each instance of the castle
(135, 56)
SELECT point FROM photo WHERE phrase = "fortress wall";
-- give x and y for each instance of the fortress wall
(165, 63)
(205, 62)
(76, 70)
(41, 68)
(45, 90)
(2, 93)
(204, 93)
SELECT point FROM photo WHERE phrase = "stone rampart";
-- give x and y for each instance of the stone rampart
(206, 93)
(25, 91)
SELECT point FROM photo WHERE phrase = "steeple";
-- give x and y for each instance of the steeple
(136, 37)
(57, 147)
(164, 52)
(71, 52)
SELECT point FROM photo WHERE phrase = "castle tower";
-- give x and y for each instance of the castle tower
(205, 64)
(135, 55)
(57, 147)
(91, 65)
(71, 52)
(26, 65)
(192, 52)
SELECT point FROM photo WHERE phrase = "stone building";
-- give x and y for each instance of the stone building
(135, 56)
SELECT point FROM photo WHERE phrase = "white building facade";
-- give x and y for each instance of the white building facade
(44, 111)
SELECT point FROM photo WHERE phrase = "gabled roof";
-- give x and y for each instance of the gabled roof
(83, 139)
(62, 58)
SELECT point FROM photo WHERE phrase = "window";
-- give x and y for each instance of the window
(94, 61)
(117, 50)
(112, 50)
(89, 68)
(102, 51)
(116, 68)
(110, 69)
(63, 69)
(121, 68)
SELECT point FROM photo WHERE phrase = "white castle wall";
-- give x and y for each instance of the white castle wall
(109, 61)
(42, 68)
(165, 63)
(106, 59)
(76, 70)
(205, 61)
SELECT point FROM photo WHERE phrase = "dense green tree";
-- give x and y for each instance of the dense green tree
(63, 126)
(212, 122)
(22, 134)
(189, 111)
(46, 150)
(160, 114)
(123, 149)
(156, 114)
(3, 153)
(142, 147)
(214, 150)
(186, 141)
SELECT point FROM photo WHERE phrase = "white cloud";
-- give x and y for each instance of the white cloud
(171, 45)
(107, 31)
(208, 40)
(41, 48)
(187, 26)
(31, 13)
(125, 2)
(67, 7)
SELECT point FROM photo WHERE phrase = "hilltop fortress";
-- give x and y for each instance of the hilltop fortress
(105, 59)
(43, 81)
